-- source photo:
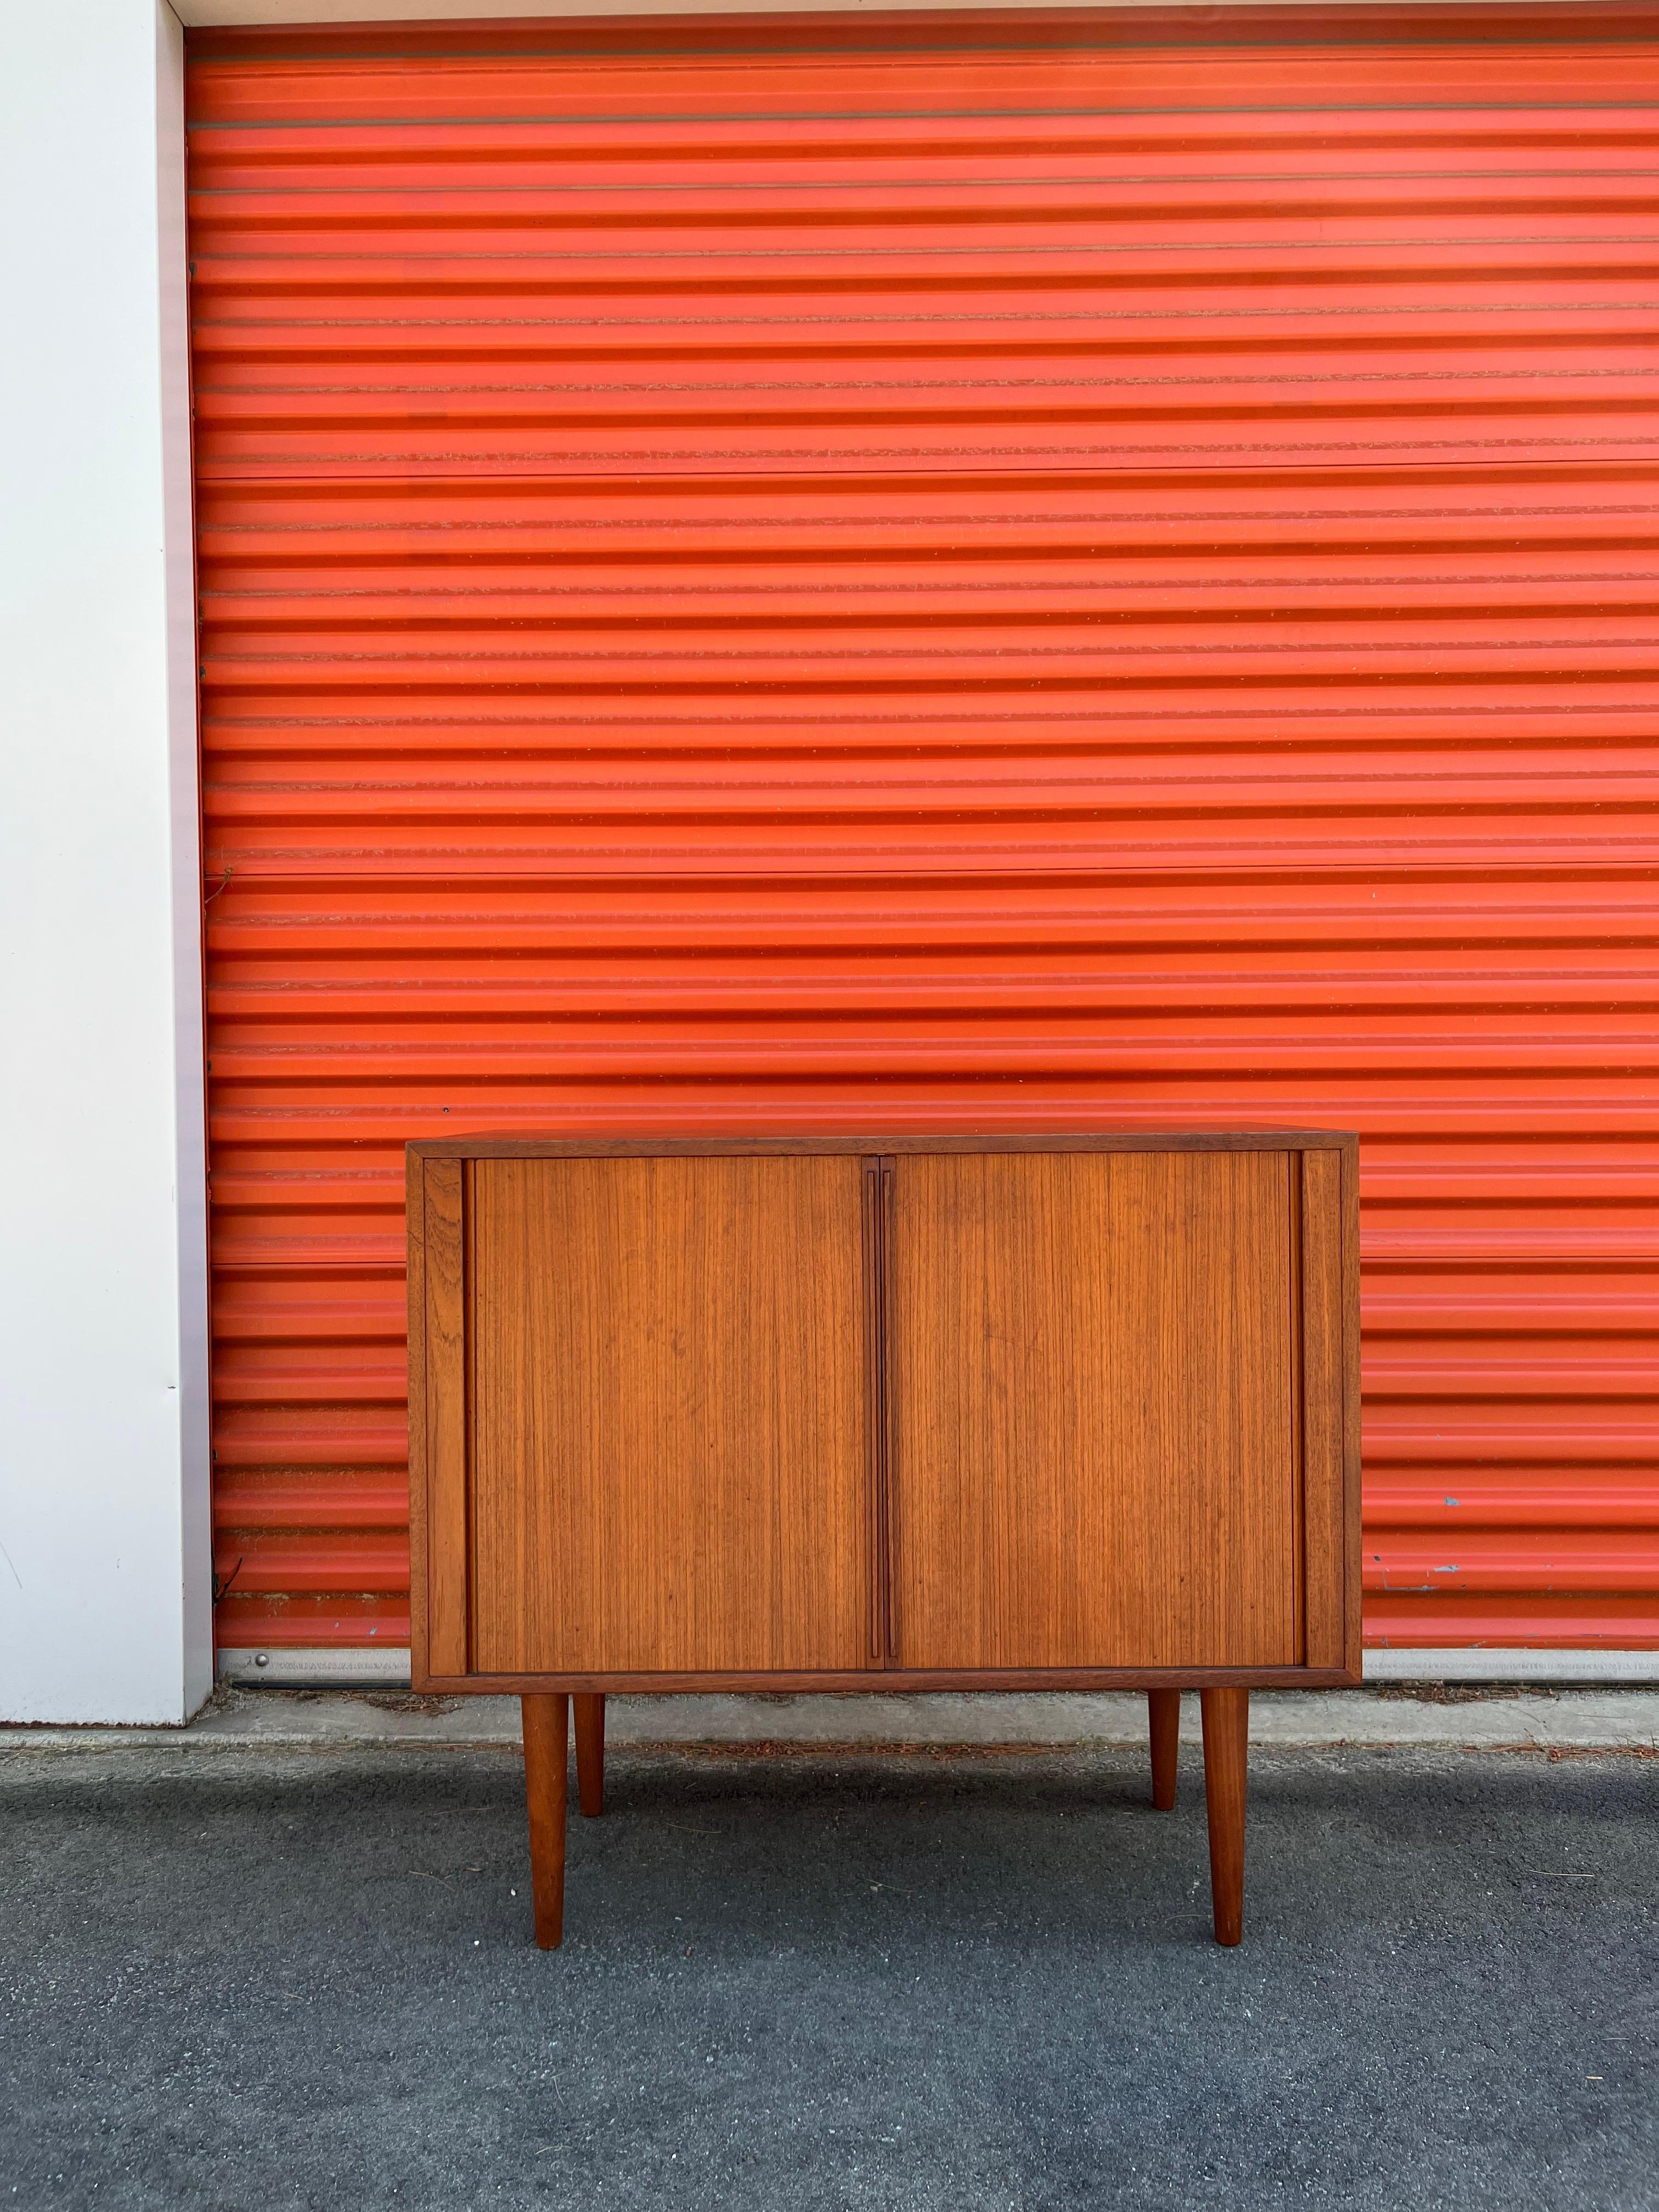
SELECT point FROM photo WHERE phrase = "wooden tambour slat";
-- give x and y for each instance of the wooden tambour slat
(1043, 571)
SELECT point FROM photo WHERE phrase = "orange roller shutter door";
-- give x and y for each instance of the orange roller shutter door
(953, 571)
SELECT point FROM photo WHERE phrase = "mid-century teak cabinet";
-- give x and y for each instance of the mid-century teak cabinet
(963, 1412)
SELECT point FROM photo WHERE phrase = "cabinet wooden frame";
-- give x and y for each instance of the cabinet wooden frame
(1324, 1276)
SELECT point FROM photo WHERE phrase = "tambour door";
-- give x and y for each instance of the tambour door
(1093, 1454)
(667, 1393)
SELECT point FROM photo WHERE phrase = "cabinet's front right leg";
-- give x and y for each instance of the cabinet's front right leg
(546, 1749)
(1226, 1747)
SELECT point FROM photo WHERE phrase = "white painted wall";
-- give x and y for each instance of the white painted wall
(104, 1575)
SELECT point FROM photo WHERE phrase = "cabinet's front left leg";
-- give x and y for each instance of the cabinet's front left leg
(590, 1753)
(1226, 1715)
(1163, 1710)
(546, 1748)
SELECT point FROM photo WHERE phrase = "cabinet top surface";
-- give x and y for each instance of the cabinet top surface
(738, 1142)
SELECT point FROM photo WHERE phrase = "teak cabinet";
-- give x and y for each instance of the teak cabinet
(912, 1413)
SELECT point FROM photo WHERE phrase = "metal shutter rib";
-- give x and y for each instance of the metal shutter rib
(951, 572)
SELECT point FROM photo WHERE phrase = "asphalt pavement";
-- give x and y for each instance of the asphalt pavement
(926, 1982)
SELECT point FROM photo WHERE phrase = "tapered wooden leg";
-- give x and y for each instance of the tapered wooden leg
(1226, 1740)
(590, 1753)
(1163, 1710)
(546, 1748)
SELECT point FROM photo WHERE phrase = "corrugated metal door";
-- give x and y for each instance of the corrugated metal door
(960, 572)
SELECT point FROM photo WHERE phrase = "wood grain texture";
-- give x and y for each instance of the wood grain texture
(666, 1681)
(1092, 1461)
(669, 1466)
(746, 1146)
(1329, 1484)
(444, 1346)
(877, 1183)
(1226, 1722)
(1324, 1529)
(546, 1776)
(590, 1754)
(1295, 1380)
(1164, 1717)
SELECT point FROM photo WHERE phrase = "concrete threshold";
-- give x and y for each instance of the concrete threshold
(1431, 1716)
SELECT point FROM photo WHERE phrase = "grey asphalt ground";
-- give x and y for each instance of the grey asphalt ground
(913, 1982)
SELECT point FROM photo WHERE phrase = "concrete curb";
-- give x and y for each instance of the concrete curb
(271, 1720)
